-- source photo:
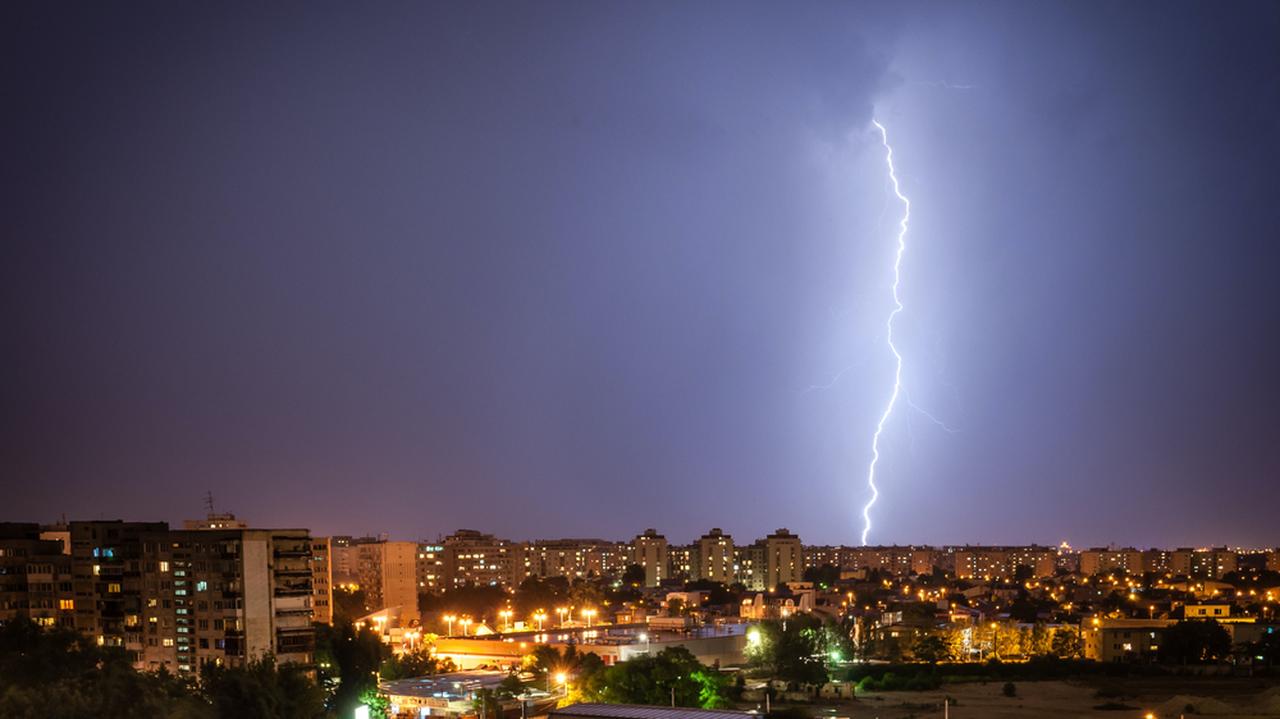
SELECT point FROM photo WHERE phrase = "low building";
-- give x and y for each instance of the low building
(634, 711)
(1123, 640)
(454, 695)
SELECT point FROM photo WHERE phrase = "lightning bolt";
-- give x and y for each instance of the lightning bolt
(897, 308)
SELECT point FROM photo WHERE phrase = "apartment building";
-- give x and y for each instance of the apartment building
(650, 551)
(178, 598)
(471, 557)
(713, 557)
(35, 577)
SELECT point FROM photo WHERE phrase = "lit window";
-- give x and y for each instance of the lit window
(164, 566)
(167, 642)
(66, 604)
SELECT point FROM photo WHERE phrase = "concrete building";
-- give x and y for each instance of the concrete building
(784, 559)
(1122, 640)
(321, 581)
(1003, 563)
(471, 557)
(227, 596)
(176, 599)
(649, 550)
(1101, 560)
(388, 573)
(107, 578)
(680, 559)
(214, 520)
(713, 558)
(35, 577)
(1211, 563)
(430, 567)
(574, 558)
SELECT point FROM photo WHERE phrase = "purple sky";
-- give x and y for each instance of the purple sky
(571, 269)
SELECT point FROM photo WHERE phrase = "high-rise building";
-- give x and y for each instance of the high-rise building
(784, 559)
(107, 575)
(388, 573)
(321, 581)
(713, 558)
(1208, 563)
(649, 550)
(1102, 560)
(430, 567)
(176, 599)
(572, 558)
(471, 557)
(35, 577)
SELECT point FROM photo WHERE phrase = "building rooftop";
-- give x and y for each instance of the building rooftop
(638, 711)
(445, 686)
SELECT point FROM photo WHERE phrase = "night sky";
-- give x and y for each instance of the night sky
(576, 269)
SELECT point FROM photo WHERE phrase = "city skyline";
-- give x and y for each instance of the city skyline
(556, 269)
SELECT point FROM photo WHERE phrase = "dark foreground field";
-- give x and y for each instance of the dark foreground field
(1127, 698)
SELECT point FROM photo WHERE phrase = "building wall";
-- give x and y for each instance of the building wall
(321, 581)
(784, 559)
(649, 550)
(714, 557)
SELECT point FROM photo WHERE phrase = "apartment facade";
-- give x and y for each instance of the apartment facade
(649, 550)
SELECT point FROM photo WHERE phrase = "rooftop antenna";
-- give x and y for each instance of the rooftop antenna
(208, 502)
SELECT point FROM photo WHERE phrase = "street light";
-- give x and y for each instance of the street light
(562, 611)
(466, 622)
(588, 613)
(644, 637)
(506, 616)
(450, 618)
(538, 617)
(561, 679)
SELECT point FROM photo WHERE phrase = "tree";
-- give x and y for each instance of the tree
(347, 663)
(825, 576)
(57, 674)
(930, 648)
(1192, 641)
(1065, 643)
(418, 663)
(349, 604)
(261, 690)
(658, 679)
(792, 650)
(634, 575)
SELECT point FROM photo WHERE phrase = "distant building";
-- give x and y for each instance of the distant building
(35, 577)
(649, 550)
(574, 558)
(1210, 563)
(321, 581)
(784, 559)
(1003, 563)
(713, 557)
(430, 567)
(471, 557)
(1105, 561)
(215, 521)
(388, 573)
